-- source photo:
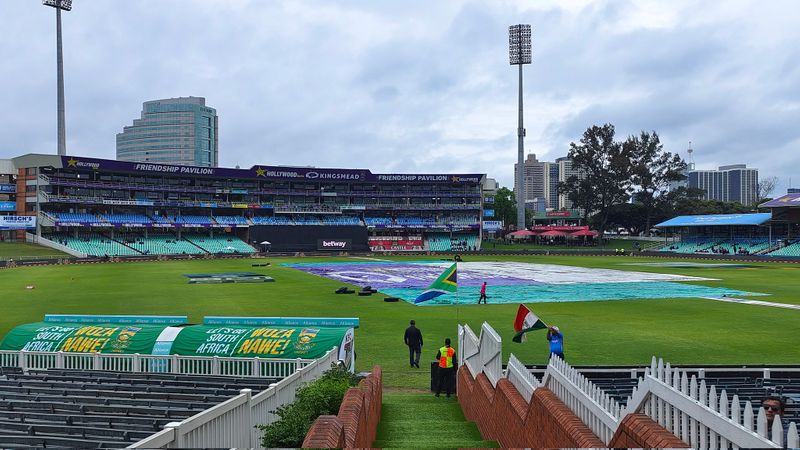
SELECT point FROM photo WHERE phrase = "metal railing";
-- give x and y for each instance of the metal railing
(233, 422)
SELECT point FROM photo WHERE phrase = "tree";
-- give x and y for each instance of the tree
(604, 167)
(630, 216)
(653, 171)
(766, 186)
(505, 206)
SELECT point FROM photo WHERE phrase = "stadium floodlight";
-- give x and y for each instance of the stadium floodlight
(519, 44)
(66, 5)
(61, 4)
(519, 53)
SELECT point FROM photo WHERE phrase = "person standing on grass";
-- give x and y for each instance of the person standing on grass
(483, 294)
(447, 362)
(413, 339)
(556, 340)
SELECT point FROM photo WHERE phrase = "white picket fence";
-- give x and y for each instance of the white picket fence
(700, 416)
(590, 403)
(688, 408)
(176, 364)
(481, 354)
(232, 423)
(521, 378)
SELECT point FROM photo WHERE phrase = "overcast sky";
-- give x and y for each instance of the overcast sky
(413, 86)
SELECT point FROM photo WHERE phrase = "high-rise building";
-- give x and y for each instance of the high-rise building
(181, 131)
(733, 183)
(541, 181)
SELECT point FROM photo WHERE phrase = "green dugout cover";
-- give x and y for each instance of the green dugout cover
(262, 342)
(83, 338)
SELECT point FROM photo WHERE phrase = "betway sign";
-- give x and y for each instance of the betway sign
(334, 244)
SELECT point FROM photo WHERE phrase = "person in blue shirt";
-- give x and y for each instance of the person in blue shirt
(556, 340)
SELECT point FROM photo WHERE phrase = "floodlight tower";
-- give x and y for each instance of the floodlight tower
(66, 5)
(519, 53)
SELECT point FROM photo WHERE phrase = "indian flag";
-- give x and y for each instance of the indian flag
(526, 321)
(445, 284)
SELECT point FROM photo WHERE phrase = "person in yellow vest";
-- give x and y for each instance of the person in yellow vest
(447, 363)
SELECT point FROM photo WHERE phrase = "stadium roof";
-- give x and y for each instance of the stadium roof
(786, 200)
(257, 172)
(716, 220)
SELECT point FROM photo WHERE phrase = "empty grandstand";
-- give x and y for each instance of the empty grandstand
(731, 234)
(102, 207)
(91, 409)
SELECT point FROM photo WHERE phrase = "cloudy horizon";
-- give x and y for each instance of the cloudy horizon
(413, 87)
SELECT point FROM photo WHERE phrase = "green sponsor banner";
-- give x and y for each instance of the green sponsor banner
(262, 342)
(82, 338)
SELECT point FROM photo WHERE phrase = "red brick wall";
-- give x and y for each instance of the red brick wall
(639, 430)
(357, 421)
(502, 414)
(325, 432)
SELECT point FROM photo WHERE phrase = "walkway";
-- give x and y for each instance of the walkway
(417, 420)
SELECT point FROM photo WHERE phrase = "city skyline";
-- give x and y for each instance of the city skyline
(386, 86)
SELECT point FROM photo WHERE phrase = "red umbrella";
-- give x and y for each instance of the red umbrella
(521, 233)
(554, 233)
(591, 233)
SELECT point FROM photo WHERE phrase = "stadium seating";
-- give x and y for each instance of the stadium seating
(220, 244)
(733, 246)
(303, 219)
(341, 220)
(444, 242)
(94, 245)
(792, 249)
(415, 221)
(167, 244)
(272, 220)
(462, 220)
(77, 217)
(127, 218)
(161, 219)
(231, 220)
(376, 221)
(62, 408)
(191, 220)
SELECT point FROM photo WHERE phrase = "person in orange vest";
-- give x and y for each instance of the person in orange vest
(447, 363)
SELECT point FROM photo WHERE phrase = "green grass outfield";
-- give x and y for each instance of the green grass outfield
(683, 331)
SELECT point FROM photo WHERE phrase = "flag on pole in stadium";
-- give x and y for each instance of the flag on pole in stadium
(526, 321)
(445, 284)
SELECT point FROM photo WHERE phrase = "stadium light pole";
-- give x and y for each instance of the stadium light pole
(519, 53)
(66, 5)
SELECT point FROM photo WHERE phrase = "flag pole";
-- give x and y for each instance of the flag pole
(457, 303)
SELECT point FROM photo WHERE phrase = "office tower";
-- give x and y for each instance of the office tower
(733, 183)
(181, 131)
